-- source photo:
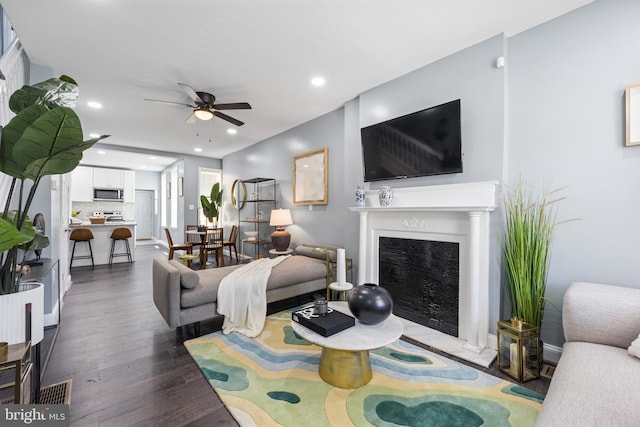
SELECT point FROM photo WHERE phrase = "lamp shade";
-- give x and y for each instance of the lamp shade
(203, 114)
(280, 218)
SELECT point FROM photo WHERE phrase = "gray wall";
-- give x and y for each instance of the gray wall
(553, 116)
(469, 75)
(566, 94)
(272, 158)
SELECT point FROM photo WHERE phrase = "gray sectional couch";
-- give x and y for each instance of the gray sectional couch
(597, 380)
(184, 296)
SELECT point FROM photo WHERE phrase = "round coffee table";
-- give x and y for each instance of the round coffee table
(345, 361)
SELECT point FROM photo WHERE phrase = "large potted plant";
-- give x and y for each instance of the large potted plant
(530, 225)
(211, 205)
(44, 138)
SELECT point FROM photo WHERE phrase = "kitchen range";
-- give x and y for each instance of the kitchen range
(112, 216)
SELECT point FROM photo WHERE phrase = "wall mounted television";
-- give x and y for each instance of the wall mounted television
(423, 143)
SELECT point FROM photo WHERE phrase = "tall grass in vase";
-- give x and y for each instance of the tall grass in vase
(530, 225)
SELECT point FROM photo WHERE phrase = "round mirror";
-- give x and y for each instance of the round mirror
(238, 203)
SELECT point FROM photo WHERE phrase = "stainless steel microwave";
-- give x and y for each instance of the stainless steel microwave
(108, 194)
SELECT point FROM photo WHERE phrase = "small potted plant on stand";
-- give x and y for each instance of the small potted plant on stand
(44, 138)
(211, 206)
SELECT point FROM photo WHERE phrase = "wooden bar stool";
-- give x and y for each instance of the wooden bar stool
(120, 234)
(81, 235)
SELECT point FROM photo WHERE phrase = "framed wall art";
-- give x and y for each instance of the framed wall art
(633, 114)
(310, 179)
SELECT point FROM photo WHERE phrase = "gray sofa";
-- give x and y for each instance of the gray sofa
(184, 296)
(597, 380)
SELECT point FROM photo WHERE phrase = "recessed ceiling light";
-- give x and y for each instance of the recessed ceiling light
(94, 135)
(197, 150)
(152, 157)
(143, 167)
(102, 152)
(94, 104)
(232, 131)
(318, 81)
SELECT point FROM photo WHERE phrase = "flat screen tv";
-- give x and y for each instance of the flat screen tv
(423, 143)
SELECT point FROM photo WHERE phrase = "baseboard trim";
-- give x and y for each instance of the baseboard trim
(551, 353)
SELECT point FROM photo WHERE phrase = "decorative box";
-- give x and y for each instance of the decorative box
(327, 325)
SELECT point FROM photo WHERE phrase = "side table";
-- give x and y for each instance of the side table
(18, 358)
(280, 253)
(342, 289)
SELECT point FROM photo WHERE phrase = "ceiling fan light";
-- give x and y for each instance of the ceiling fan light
(203, 114)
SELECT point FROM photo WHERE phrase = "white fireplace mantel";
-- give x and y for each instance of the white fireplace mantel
(458, 212)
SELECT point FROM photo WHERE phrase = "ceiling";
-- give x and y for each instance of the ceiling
(261, 52)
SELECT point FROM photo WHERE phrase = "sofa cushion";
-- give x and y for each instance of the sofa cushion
(206, 291)
(593, 385)
(188, 278)
(296, 269)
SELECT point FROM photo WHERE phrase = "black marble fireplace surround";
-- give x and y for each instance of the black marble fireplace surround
(423, 279)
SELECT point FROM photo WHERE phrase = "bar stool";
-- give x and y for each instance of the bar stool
(120, 234)
(81, 235)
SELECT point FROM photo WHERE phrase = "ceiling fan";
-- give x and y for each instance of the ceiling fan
(205, 107)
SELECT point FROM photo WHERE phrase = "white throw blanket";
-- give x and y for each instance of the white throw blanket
(634, 348)
(242, 297)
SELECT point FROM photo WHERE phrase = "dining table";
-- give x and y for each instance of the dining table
(203, 238)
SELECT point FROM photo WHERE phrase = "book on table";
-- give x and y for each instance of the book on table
(327, 325)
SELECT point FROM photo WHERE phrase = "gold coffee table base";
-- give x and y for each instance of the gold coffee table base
(345, 369)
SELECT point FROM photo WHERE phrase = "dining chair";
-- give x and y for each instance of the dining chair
(214, 243)
(233, 238)
(194, 239)
(179, 247)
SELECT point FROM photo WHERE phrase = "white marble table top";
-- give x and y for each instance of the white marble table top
(337, 286)
(357, 338)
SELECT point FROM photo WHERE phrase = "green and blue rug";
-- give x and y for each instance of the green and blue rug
(272, 380)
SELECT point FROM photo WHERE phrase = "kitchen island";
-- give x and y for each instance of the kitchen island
(101, 243)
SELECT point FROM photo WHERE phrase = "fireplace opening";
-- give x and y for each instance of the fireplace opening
(423, 277)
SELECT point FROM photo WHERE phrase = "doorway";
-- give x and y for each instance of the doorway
(144, 214)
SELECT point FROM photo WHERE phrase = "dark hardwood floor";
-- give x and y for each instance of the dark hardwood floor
(128, 367)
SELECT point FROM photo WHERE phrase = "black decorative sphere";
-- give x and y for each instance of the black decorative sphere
(370, 303)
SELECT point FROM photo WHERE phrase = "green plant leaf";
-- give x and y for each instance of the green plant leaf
(10, 163)
(51, 93)
(9, 235)
(530, 223)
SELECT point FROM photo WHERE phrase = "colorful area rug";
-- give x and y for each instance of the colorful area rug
(273, 380)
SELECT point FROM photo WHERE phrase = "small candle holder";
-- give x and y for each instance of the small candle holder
(320, 307)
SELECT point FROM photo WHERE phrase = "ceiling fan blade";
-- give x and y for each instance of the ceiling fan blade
(170, 102)
(192, 93)
(228, 118)
(233, 106)
(192, 118)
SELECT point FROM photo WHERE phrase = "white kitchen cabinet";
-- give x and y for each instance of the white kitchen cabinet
(129, 186)
(82, 184)
(108, 178)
